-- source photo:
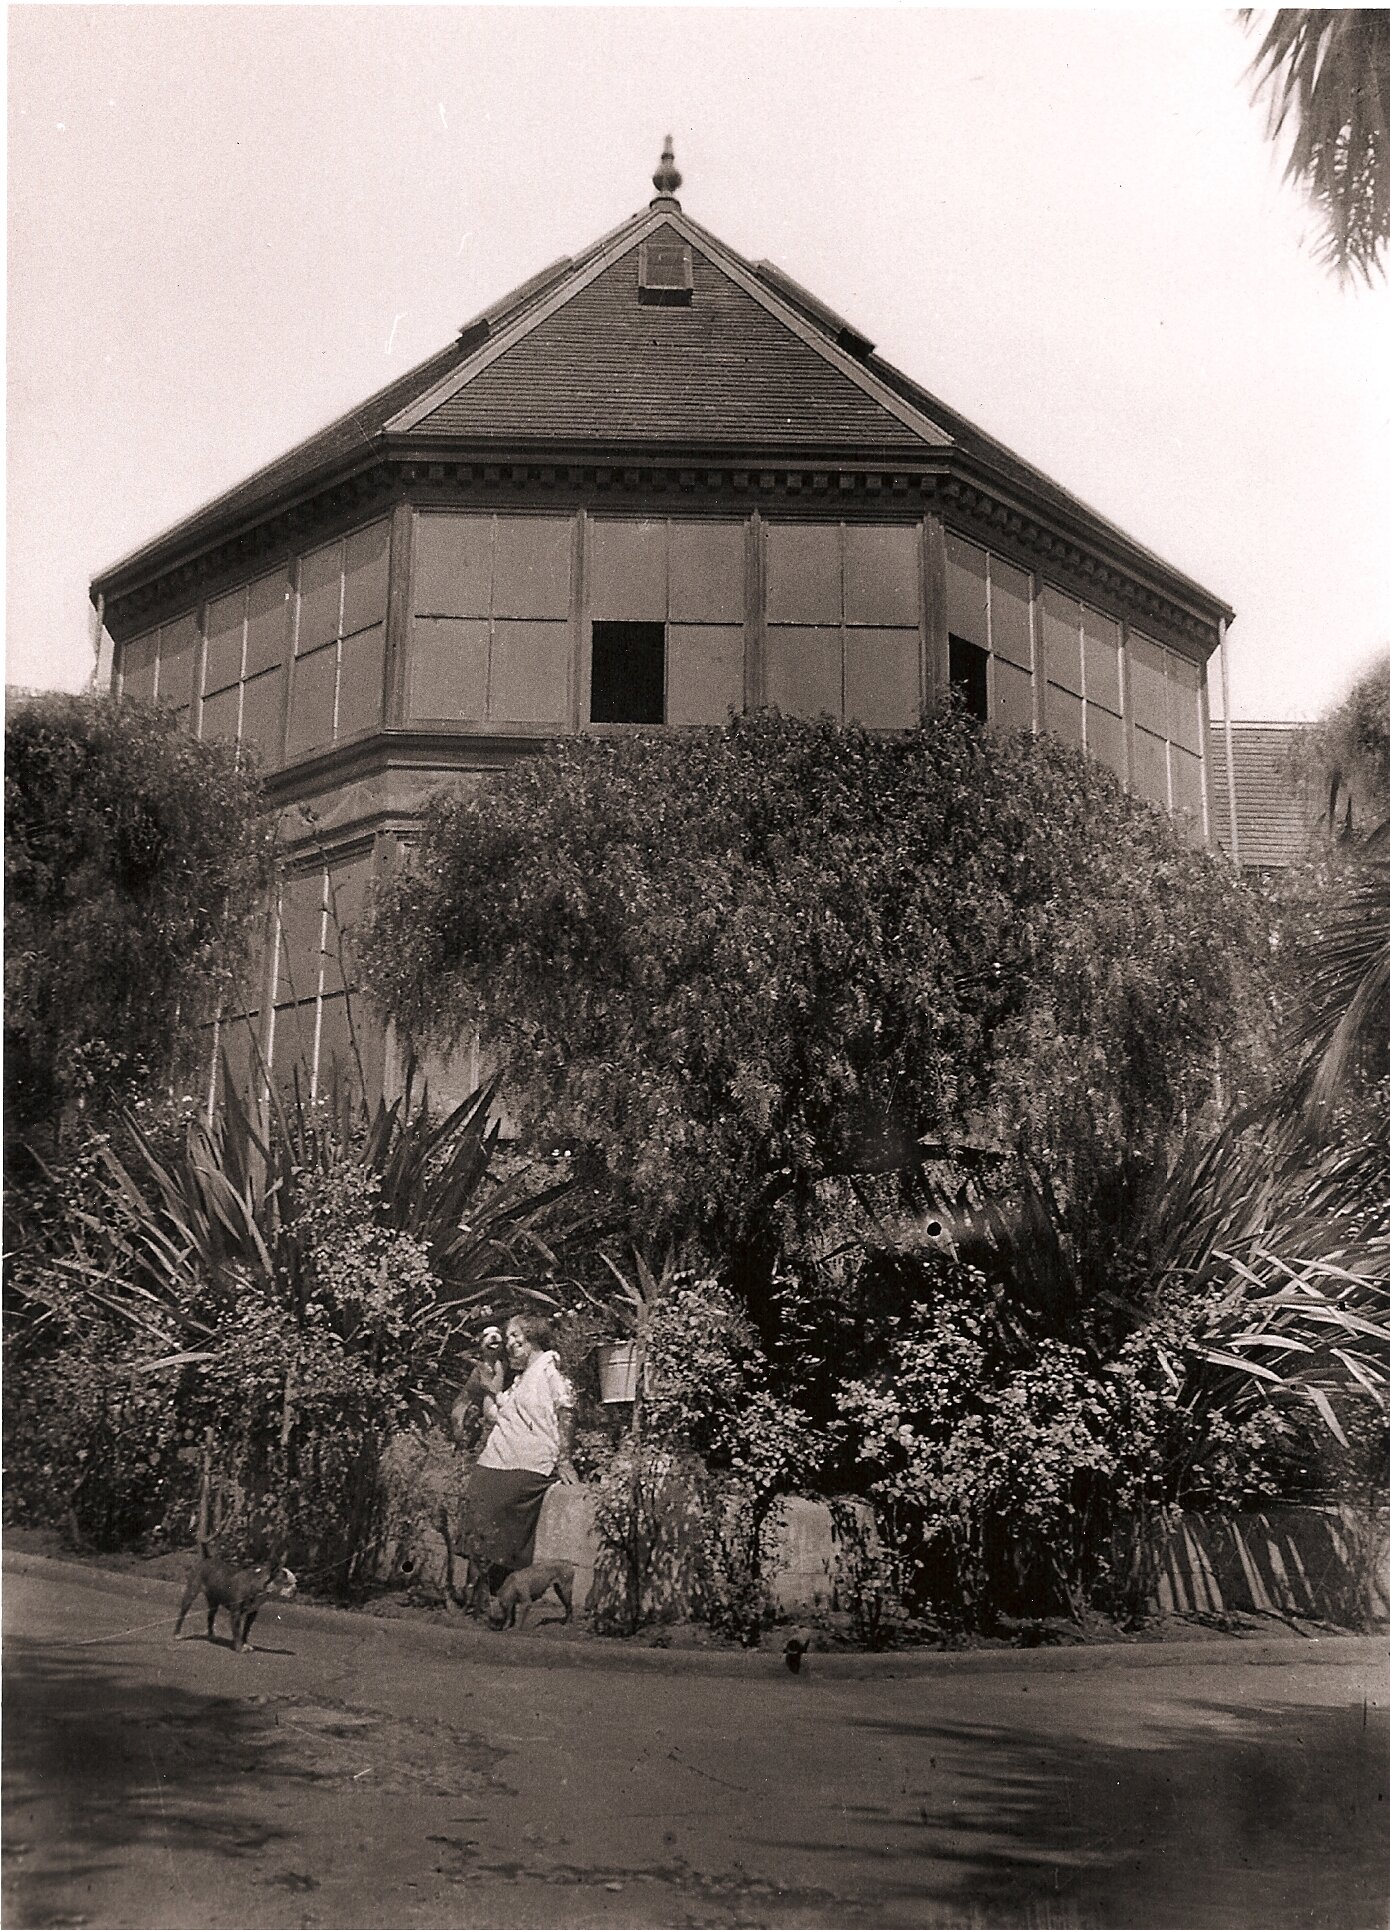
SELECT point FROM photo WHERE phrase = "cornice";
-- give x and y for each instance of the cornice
(861, 484)
(1086, 571)
(402, 749)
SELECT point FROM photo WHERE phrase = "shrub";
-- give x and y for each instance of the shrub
(133, 856)
(302, 1293)
(684, 1499)
(725, 964)
(1002, 1480)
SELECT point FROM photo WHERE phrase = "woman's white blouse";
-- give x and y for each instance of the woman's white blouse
(526, 1433)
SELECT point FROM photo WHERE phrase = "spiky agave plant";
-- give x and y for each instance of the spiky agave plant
(170, 1245)
(1277, 1258)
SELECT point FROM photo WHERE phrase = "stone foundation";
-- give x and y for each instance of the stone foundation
(1313, 1564)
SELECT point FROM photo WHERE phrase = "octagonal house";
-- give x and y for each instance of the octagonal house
(656, 483)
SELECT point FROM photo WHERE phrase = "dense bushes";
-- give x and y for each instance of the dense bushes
(1026, 1480)
(725, 964)
(133, 855)
(300, 1292)
(917, 1040)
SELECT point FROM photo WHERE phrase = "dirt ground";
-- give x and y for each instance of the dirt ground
(362, 1771)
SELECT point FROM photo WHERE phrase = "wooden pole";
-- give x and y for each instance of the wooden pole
(1230, 743)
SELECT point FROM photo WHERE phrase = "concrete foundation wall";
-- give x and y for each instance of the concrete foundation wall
(1316, 1564)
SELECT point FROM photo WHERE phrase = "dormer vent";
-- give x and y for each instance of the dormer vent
(665, 270)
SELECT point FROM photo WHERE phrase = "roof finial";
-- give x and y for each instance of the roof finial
(667, 177)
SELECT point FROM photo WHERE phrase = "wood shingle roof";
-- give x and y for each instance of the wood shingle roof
(752, 368)
(723, 372)
(1274, 814)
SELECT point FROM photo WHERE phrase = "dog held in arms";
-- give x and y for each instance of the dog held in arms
(239, 1590)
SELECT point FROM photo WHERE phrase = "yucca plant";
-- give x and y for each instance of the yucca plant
(182, 1237)
(1342, 1024)
(299, 1287)
(1278, 1256)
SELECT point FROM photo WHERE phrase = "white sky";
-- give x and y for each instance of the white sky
(227, 224)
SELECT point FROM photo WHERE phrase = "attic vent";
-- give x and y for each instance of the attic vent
(665, 272)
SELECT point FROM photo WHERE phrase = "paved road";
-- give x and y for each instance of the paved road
(356, 1772)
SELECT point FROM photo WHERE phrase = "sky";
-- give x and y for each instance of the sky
(227, 224)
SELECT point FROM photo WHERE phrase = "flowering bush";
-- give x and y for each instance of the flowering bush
(683, 1502)
(1024, 1479)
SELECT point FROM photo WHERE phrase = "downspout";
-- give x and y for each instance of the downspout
(1230, 742)
(98, 625)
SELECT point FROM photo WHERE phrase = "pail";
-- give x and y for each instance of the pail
(617, 1370)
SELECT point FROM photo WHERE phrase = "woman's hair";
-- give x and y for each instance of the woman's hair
(536, 1328)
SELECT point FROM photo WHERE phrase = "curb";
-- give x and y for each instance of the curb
(512, 1651)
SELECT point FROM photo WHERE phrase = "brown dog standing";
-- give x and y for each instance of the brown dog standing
(521, 1590)
(239, 1590)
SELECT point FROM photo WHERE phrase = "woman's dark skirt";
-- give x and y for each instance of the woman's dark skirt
(504, 1505)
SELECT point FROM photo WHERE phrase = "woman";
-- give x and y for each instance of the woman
(530, 1438)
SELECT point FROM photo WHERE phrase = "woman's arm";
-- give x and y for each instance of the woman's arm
(565, 1469)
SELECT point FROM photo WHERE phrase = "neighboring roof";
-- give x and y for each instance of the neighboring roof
(572, 359)
(1274, 815)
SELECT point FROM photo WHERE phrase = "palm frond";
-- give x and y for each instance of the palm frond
(1345, 1004)
(1325, 76)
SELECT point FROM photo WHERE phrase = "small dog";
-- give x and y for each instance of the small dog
(239, 1590)
(466, 1416)
(522, 1589)
(797, 1646)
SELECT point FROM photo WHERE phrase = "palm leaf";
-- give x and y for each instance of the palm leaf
(1325, 75)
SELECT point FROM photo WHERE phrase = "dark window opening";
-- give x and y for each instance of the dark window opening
(970, 678)
(628, 684)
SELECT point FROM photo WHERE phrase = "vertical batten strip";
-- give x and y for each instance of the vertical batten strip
(1127, 705)
(399, 607)
(1037, 653)
(990, 677)
(755, 615)
(579, 564)
(937, 642)
(291, 662)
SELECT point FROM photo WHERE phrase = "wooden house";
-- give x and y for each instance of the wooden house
(657, 482)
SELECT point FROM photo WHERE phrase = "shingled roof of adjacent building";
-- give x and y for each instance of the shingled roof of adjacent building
(1274, 813)
(753, 365)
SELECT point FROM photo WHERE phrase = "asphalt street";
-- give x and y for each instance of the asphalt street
(356, 1771)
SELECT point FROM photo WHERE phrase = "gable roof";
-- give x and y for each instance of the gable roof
(597, 367)
(572, 358)
(591, 363)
